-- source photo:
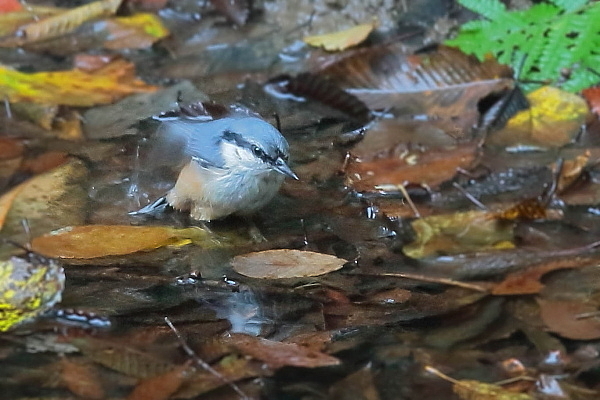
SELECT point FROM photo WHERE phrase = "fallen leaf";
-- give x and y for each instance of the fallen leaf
(10, 6)
(528, 280)
(561, 317)
(475, 390)
(341, 40)
(553, 120)
(92, 241)
(592, 95)
(139, 31)
(277, 355)
(161, 387)
(279, 264)
(10, 148)
(60, 24)
(44, 162)
(405, 165)
(48, 201)
(75, 88)
(571, 170)
(528, 209)
(81, 379)
(28, 286)
(458, 233)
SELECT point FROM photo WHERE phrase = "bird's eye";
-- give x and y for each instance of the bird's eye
(257, 151)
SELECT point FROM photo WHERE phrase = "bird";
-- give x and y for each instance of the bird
(232, 165)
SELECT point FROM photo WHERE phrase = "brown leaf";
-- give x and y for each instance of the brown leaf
(81, 379)
(592, 95)
(572, 170)
(10, 148)
(407, 165)
(475, 390)
(91, 241)
(279, 264)
(528, 281)
(561, 317)
(527, 209)
(277, 354)
(445, 84)
(161, 387)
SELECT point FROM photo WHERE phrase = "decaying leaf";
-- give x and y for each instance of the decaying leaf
(92, 241)
(459, 233)
(48, 201)
(277, 354)
(405, 165)
(572, 170)
(567, 318)
(75, 88)
(28, 286)
(284, 263)
(139, 31)
(445, 84)
(60, 24)
(553, 120)
(161, 387)
(528, 209)
(341, 40)
(528, 280)
(81, 379)
(592, 95)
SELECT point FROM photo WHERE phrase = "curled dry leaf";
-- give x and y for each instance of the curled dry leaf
(139, 31)
(277, 354)
(92, 241)
(284, 263)
(60, 24)
(553, 120)
(341, 40)
(75, 87)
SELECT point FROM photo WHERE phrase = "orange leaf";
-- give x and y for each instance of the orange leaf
(161, 387)
(81, 379)
(592, 95)
(7, 6)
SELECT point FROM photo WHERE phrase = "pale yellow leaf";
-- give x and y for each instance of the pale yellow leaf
(341, 40)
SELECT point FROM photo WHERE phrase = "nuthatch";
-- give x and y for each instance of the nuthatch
(232, 165)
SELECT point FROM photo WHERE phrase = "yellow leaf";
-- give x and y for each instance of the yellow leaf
(61, 23)
(553, 120)
(136, 32)
(74, 88)
(458, 233)
(341, 40)
(475, 390)
(92, 241)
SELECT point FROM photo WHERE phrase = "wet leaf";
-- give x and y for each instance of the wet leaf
(139, 31)
(122, 357)
(572, 170)
(475, 390)
(47, 201)
(405, 165)
(562, 317)
(60, 24)
(28, 287)
(161, 387)
(445, 85)
(279, 264)
(341, 40)
(277, 354)
(529, 280)
(553, 120)
(458, 233)
(81, 379)
(10, 148)
(527, 209)
(75, 87)
(592, 95)
(10, 6)
(91, 241)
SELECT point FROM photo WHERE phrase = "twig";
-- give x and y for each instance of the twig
(432, 279)
(203, 364)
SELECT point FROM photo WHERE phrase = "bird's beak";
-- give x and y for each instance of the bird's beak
(281, 166)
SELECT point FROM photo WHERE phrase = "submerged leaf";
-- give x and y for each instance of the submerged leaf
(278, 264)
(563, 318)
(92, 241)
(459, 233)
(161, 387)
(475, 390)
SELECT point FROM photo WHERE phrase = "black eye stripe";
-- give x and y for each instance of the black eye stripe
(236, 138)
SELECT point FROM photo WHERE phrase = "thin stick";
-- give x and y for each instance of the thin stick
(444, 281)
(414, 208)
(203, 364)
(469, 196)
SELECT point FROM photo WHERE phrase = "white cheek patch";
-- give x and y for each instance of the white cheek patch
(234, 155)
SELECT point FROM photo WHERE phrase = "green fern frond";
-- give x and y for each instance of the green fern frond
(542, 43)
